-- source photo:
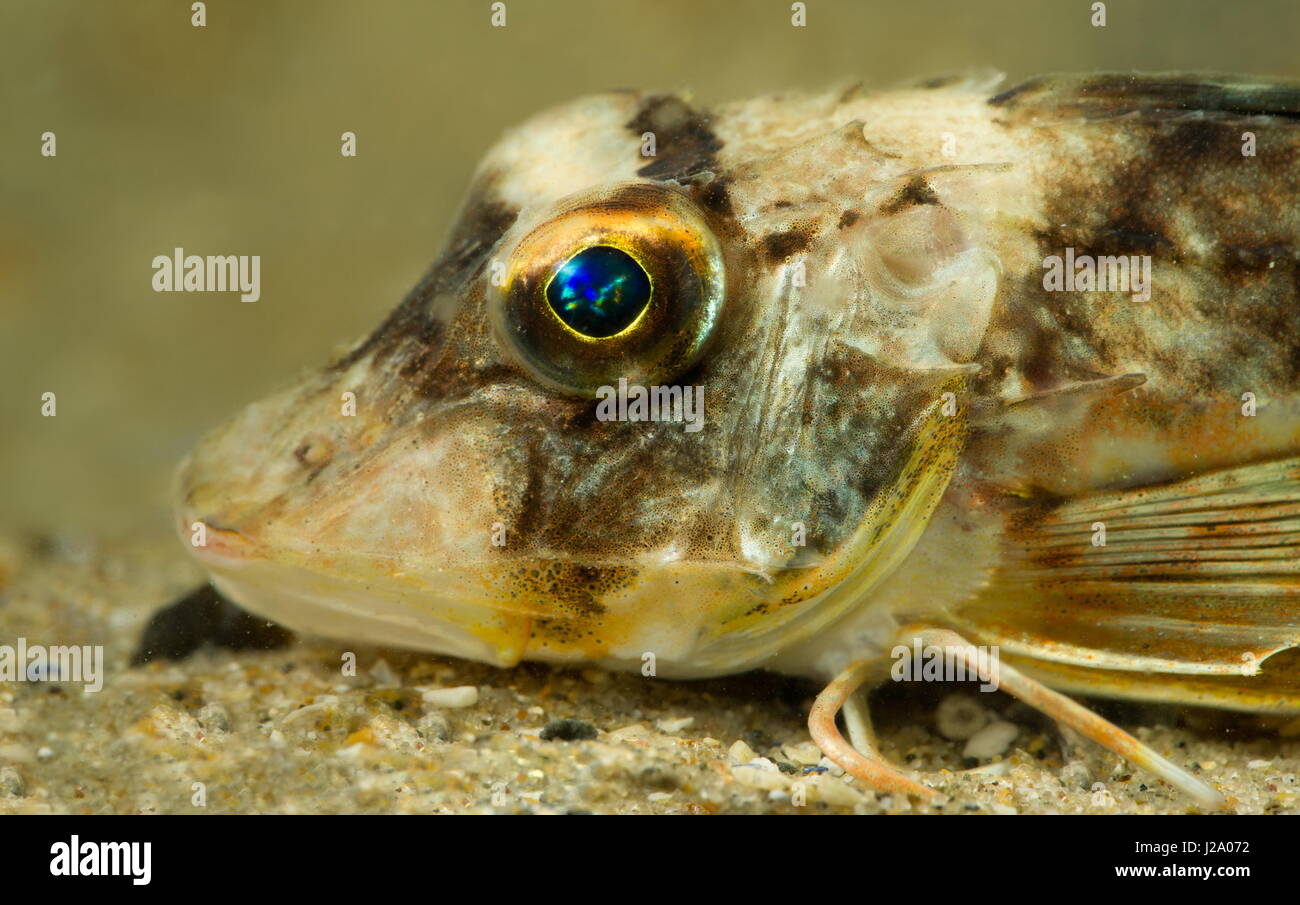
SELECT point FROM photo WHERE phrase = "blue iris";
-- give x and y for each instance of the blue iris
(599, 291)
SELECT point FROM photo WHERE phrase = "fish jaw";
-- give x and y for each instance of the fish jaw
(348, 594)
(369, 560)
(399, 552)
(356, 600)
(315, 602)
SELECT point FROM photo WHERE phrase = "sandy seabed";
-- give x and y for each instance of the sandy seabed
(289, 731)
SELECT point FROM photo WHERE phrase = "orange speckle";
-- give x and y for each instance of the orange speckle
(361, 736)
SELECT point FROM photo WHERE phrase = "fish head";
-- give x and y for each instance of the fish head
(680, 387)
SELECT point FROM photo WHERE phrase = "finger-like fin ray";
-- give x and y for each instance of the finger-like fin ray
(1194, 577)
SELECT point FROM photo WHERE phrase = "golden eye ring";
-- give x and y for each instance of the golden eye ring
(627, 283)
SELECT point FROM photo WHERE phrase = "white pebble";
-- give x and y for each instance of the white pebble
(992, 740)
(805, 754)
(634, 733)
(760, 774)
(740, 753)
(832, 768)
(214, 718)
(384, 675)
(960, 716)
(460, 696)
(674, 725)
(831, 791)
(11, 783)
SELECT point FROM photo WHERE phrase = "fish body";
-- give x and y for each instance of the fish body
(916, 399)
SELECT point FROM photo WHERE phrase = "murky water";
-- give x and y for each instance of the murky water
(226, 140)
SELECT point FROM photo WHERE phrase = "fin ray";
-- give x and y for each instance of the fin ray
(1152, 95)
(1197, 576)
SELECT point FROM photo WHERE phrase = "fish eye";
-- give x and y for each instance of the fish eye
(626, 283)
(599, 291)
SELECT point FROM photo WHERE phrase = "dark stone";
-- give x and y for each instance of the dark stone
(205, 617)
(567, 730)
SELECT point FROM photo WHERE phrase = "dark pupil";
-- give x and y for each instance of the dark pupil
(599, 291)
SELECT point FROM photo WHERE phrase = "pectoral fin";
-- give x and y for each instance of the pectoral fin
(1275, 690)
(1135, 592)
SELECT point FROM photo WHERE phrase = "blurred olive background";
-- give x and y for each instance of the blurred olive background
(225, 140)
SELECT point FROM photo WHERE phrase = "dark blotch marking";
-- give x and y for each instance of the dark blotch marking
(712, 195)
(1153, 179)
(1246, 263)
(848, 218)
(1128, 232)
(313, 468)
(780, 246)
(684, 139)
(914, 194)
(205, 617)
(1005, 98)
(1195, 146)
(941, 81)
(576, 590)
(482, 222)
(460, 377)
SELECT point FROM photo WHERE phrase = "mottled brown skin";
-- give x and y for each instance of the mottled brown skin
(923, 269)
(1155, 167)
(1169, 181)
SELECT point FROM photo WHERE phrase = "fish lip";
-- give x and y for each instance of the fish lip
(221, 545)
(319, 603)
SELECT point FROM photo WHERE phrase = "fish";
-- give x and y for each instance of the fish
(1009, 373)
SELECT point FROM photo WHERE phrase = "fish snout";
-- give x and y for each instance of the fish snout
(211, 543)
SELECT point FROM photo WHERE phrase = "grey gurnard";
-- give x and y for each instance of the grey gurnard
(973, 368)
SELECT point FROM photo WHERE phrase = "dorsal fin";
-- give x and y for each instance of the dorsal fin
(1154, 95)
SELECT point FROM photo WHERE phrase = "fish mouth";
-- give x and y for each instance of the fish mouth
(366, 610)
(214, 545)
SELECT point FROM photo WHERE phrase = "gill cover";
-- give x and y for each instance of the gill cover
(803, 602)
